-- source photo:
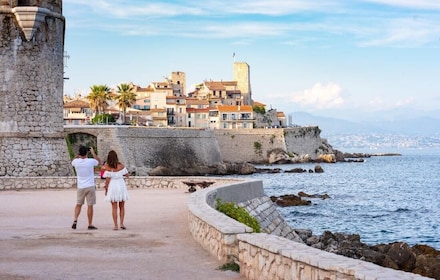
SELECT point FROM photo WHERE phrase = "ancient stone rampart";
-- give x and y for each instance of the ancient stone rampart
(143, 148)
(253, 145)
(31, 89)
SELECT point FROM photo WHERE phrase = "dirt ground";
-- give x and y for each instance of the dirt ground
(37, 242)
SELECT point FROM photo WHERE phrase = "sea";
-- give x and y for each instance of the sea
(384, 199)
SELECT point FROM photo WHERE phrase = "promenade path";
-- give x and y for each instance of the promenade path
(37, 242)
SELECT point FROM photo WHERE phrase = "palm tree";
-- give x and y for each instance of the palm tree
(126, 97)
(98, 97)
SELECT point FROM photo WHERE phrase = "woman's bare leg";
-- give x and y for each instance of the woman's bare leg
(122, 213)
(115, 214)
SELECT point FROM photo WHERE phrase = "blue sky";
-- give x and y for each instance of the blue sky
(339, 58)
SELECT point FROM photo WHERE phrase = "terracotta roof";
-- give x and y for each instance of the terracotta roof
(256, 103)
(242, 108)
(215, 85)
(197, 110)
(77, 104)
(281, 115)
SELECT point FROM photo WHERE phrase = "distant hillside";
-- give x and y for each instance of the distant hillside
(414, 133)
(419, 126)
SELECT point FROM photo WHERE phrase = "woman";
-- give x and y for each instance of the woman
(115, 187)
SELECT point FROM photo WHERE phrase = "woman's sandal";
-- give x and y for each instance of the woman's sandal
(123, 227)
(74, 225)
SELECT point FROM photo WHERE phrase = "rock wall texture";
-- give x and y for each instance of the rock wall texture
(31, 91)
(255, 145)
(142, 149)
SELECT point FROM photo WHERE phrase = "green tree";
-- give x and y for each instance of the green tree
(98, 97)
(126, 97)
(259, 109)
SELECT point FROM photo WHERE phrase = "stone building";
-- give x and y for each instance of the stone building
(32, 139)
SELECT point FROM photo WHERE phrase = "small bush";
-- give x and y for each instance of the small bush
(230, 266)
(238, 213)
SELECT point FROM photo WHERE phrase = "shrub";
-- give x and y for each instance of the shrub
(238, 213)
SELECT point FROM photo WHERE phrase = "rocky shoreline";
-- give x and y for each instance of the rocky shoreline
(420, 259)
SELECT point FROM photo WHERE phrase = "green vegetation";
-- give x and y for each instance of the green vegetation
(259, 109)
(126, 97)
(103, 118)
(98, 97)
(257, 148)
(232, 136)
(232, 266)
(69, 147)
(238, 213)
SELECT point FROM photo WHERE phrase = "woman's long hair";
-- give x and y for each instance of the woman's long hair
(112, 159)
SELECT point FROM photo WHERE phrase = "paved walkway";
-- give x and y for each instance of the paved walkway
(37, 242)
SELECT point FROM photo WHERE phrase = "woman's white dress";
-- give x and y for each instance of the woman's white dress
(117, 189)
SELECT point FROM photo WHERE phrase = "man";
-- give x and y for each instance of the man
(85, 168)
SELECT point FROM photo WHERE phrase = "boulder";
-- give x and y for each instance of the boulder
(318, 169)
(296, 170)
(328, 158)
(278, 156)
(322, 196)
(289, 200)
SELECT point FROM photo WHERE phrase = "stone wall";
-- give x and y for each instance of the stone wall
(253, 145)
(133, 182)
(143, 148)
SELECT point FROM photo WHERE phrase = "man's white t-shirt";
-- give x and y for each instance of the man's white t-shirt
(85, 171)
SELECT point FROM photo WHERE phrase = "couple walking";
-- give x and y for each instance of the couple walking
(115, 187)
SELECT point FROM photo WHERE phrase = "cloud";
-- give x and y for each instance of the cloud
(413, 23)
(406, 32)
(320, 96)
(414, 4)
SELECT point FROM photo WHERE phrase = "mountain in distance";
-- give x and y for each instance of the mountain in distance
(418, 126)
(420, 132)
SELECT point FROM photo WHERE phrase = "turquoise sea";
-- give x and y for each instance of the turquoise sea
(384, 199)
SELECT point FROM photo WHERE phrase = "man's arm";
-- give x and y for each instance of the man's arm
(94, 155)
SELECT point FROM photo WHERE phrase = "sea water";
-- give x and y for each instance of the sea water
(384, 199)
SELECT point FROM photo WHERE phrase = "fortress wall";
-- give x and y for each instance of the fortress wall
(253, 145)
(248, 145)
(141, 148)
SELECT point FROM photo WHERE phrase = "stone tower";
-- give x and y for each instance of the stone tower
(32, 141)
(179, 79)
(242, 76)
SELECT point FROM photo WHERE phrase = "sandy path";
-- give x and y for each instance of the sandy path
(36, 241)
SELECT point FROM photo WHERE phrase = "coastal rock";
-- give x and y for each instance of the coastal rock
(318, 169)
(220, 169)
(289, 200)
(322, 196)
(420, 259)
(278, 156)
(301, 158)
(400, 253)
(328, 158)
(296, 170)
(267, 170)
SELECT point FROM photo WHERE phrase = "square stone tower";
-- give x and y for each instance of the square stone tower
(32, 141)
(242, 76)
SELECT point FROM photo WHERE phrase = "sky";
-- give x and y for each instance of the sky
(337, 58)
